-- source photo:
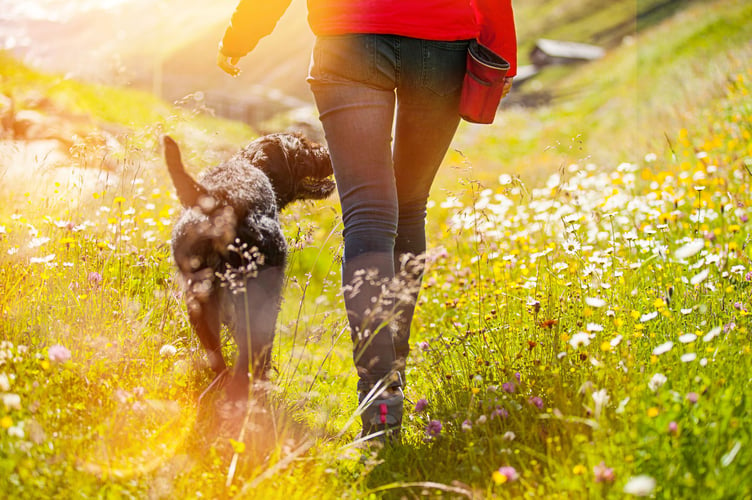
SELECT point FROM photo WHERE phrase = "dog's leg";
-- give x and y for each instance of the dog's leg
(256, 317)
(267, 288)
(205, 318)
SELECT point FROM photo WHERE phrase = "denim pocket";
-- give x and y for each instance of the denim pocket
(343, 58)
(444, 66)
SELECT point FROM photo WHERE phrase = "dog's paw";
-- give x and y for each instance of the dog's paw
(219, 381)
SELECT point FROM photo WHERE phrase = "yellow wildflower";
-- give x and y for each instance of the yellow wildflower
(498, 477)
(579, 470)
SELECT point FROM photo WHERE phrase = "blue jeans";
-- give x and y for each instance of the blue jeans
(360, 82)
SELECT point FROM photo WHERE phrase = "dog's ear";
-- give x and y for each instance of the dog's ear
(271, 155)
(189, 191)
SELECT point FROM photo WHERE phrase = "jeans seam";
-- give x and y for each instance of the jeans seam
(397, 62)
(424, 72)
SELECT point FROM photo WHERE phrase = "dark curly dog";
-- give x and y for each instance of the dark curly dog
(229, 246)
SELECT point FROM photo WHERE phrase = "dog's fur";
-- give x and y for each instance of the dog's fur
(229, 247)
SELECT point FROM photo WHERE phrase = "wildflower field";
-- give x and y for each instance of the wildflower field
(584, 336)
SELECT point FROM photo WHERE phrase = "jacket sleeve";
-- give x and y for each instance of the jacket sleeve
(251, 21)
(497, 32)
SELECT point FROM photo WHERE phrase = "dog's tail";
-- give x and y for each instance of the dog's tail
(189, 191)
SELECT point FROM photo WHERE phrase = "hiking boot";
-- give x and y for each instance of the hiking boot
(382, 414)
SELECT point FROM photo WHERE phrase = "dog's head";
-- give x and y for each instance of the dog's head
(298, 169)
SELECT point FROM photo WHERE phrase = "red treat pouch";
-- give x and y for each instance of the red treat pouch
(483, 84)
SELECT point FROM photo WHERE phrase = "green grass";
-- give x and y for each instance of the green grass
(587, 328)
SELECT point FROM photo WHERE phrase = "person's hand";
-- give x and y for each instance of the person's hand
(507, 86)
(228, 64)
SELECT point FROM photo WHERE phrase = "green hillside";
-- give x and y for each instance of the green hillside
(583, 329)
(281, 60)
(643, 91)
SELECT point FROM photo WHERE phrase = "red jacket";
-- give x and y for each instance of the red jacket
(491, 21)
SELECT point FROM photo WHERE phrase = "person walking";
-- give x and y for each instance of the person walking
(381, 68)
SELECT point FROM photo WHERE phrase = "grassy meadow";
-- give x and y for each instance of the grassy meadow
(583, 329)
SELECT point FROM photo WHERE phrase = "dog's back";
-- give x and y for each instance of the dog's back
(240, 185)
